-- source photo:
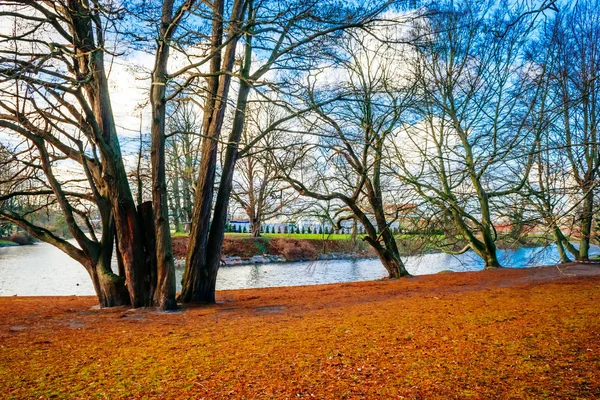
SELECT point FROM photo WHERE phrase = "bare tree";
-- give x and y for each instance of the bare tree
(282, 36)
(575, 87)
(55, 101)
(343, 155)
(472, 142)
(256, 187)
(183, 144)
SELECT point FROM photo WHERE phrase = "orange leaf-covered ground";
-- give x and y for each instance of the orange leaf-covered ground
(530, 333)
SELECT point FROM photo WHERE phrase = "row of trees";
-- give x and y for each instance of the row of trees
(471, 111)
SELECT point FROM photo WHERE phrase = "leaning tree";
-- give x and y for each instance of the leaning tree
(342, 157)
(569, 163)
(278, 39)
(472, 140)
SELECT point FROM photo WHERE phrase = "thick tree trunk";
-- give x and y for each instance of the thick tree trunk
(392, 263)
(164, 295)
(146, 217)
(129, 235)
(489, 252)
(110, 288)
(586, 219)
(131, 247)
(253, 216)
(491, 260)
(559, 240)
(198, 241)
(203, 256)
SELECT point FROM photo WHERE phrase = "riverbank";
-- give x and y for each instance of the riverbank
(508, 333)
(244, 249)
(240, 249)
(17, 239)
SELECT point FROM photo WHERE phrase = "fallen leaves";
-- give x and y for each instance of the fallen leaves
(497, 334)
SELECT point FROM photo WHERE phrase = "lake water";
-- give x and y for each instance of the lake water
(43, 270)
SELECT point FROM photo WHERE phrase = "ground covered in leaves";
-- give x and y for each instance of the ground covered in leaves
(529, 333)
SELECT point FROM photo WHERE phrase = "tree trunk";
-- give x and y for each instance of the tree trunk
(200, 223)
(586, 219)
(110, 288)
(491, 260)
(489, 253)
(255, 226)
(146, 217)
(486, 249)
(203, 256)
(354, 233)
(392, 263)
(217, 229)
(209, 268)
(164, 295)
(558, 239)
(130, 239)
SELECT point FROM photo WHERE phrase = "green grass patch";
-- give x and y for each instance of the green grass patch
(314, 236)
(179, 234)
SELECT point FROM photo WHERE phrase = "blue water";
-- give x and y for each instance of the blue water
(43, 270)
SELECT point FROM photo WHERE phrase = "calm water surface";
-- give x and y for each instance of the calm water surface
(43, 270)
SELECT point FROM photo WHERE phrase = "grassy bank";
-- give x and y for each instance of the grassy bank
(290, 247)
(530, 333)
(7, 243)
(314, 236)
(297, 247)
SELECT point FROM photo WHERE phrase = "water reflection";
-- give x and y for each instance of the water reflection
(43, 270)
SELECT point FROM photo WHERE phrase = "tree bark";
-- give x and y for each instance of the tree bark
(164, 296)
(486, 249)
(489, 254)
(491, 260)
(146, 217)
(199, 277)
(109, 287)
(390, 260)
(586, 219)
(559, 240)
(255, 226)
(393, 265)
